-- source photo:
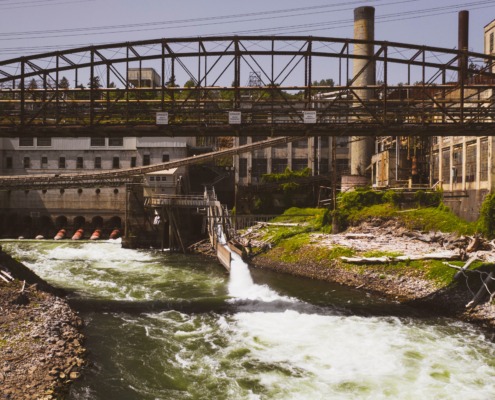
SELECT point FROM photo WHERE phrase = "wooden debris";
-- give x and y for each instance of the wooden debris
(482, 293)
(6, 275)
(465, 267)
(358, 236)
(474, 244)
(386, 259)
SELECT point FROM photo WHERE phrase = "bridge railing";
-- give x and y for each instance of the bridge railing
(401, 105)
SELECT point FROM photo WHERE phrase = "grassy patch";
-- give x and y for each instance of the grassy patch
(380, 253)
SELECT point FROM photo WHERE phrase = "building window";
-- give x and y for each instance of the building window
(491, 43)
(323, 166)
(79, 163)
(446, 165)
(470, 175)
(44, 162)
(133, 162)
(242, 140)
(97, 162)
(435, 164)
(299, 164)
(242, 167)
(26, 141)
(165, 158)
(8, 163)
(484, 160)
(146, 159)
(259, 167)
(61, 162)
(27, 162)
(116, 162)
(98, 142)
(324, 141)
(457, 164)
(342, 165)
(115, 142)
(279, 165)
(44, 141)
(300, 144)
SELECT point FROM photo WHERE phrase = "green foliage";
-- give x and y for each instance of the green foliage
(436, 219)
(286, 176)
(393, 197)
(486, 221)
(428, 199)
(440, 273)
(316, 218)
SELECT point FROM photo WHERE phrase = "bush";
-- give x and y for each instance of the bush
(486, 221)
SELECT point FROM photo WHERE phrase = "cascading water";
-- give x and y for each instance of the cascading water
(176, 327)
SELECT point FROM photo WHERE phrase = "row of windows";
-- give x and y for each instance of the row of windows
(94, 141)
(158, 178)
(26, 162)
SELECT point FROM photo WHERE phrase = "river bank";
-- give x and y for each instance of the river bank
(427, 284)
(41, 344)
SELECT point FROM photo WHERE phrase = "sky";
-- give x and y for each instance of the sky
(37, 26)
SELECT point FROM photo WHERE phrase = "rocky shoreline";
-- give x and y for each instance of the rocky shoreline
(41, 343)
(405, 285)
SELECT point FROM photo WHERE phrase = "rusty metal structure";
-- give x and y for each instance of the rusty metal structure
(419, 90)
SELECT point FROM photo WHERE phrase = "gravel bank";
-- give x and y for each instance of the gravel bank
(41, 344)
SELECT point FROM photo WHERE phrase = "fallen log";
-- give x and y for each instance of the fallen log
(367, 260)
(415, 257)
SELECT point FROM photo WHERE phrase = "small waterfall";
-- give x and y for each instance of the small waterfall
(242, 287)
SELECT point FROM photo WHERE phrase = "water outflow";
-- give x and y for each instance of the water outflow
(242, 287)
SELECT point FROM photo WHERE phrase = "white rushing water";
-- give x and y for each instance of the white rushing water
(336, 357)
(270, 346)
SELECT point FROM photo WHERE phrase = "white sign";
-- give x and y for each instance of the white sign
(309, 117)
(162, 118)
(234, 117)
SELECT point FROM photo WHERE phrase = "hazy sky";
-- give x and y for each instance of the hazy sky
(35, 26)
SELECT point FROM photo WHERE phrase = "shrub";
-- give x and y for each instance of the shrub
(486, 221)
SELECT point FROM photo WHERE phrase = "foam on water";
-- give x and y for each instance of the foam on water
(364, 358)
(242, 287)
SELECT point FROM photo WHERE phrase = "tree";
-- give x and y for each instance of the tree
(324, 82)
(64, 83)
(189, 84)
(95, 83)
(33, 85)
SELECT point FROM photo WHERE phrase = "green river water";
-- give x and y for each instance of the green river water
(162, 326)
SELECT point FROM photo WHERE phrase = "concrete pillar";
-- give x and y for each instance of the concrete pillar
(361, 148)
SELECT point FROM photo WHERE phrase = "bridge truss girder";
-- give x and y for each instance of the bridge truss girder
(420, 88)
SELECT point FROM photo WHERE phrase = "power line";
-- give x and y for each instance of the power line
(420, 13)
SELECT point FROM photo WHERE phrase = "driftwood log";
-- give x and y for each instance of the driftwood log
(446, 255)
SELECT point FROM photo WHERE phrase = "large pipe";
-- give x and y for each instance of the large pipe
(463, 44)
(361, 148)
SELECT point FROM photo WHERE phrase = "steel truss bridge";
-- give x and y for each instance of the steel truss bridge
(270, 80)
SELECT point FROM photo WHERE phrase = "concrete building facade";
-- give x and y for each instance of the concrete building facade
(31, 210)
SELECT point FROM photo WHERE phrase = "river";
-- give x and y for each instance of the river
(168, 326)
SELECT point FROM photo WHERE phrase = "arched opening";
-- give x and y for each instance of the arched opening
(45, 228)
(115, 227)
(97, 222)
(115, 222)
(61, 222)
(11, 226)
(79, 222)
(26, 226)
